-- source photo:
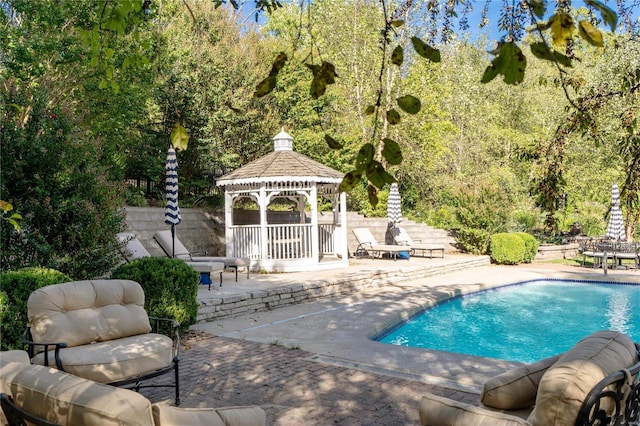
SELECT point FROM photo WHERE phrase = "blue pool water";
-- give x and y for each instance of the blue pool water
(524, 322)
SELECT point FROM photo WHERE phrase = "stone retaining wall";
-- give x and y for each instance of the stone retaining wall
(212, 308)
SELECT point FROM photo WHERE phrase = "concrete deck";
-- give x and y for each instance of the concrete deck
(314, 363)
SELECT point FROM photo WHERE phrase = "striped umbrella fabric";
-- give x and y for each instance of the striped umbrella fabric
(615, 229)
(172, 211)
(394, 212)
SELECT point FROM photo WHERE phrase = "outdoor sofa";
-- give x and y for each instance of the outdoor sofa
(46, 396)
(174, 248)
(594, 383)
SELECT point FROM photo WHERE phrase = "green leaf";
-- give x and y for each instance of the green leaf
(397, 57)
(591, 34)
(541, 50)
(392, 152)
(322, 75)
(329, 72)
(561, 28)
(364, 157)
(333, 144)
(278, 64)
(538, 7)
(608, 15)
(103, 83)
(179, 137)
(425, 50)
(349, 181)
(409, 104)
(378, 176)
(318, 87)
(510, 62)
(372, 193)
(397, 23)
(393, 116)
(370, 110)
(265, 87)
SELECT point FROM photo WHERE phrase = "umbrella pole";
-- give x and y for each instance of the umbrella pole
(173, 241)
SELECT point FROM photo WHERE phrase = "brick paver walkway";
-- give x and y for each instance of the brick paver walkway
(292, 388)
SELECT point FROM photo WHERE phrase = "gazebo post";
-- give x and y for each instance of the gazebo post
(315, 232)
(228, 223)
(262, 204)
(344, 249)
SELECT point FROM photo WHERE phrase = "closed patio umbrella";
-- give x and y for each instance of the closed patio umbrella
(172, 211)
(394, 213)
(615, 228)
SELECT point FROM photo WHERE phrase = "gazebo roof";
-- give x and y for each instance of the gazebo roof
(282, 165)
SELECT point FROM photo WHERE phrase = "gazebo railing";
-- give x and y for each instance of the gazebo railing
(245, 242)
(288, 241)
(284, 241)
(327, 238)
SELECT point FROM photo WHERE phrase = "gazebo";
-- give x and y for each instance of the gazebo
(297, 239)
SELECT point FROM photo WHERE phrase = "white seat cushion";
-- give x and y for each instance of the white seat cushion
(119, 359)
(165, 415)
(438, 411)
(517, 388)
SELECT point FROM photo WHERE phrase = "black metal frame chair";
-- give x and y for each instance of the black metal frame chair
(614, 401)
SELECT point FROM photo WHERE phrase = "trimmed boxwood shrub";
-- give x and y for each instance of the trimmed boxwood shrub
(530, 246)
(170, 287)
(507, 249)
(15, 289)
(473, 240)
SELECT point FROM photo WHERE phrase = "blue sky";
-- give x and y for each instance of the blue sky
(493, 16)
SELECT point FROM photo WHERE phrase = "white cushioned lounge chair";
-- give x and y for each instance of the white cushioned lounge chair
(170, 244)
(368, 246)
(401, 236)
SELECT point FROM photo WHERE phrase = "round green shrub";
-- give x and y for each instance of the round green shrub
(530, 246)
(170, 287)
(473, 240)
(15, 288)
(507, 249)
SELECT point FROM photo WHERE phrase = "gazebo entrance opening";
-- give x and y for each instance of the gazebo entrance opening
(272, 217)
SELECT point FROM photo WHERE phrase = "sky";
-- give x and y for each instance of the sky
(494, 12)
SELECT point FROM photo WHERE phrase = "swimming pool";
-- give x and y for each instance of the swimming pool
(523, 322)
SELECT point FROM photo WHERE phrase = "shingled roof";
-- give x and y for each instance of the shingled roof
(282, 165)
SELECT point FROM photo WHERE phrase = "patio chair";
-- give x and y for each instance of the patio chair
(368, 246)
(400, 236)
(598, 250)
(629, 251)
(133, 249)
(173, 245)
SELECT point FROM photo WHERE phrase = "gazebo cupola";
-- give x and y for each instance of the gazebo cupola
(299, 239)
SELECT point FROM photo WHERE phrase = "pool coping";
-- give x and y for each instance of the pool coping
(338, 331)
